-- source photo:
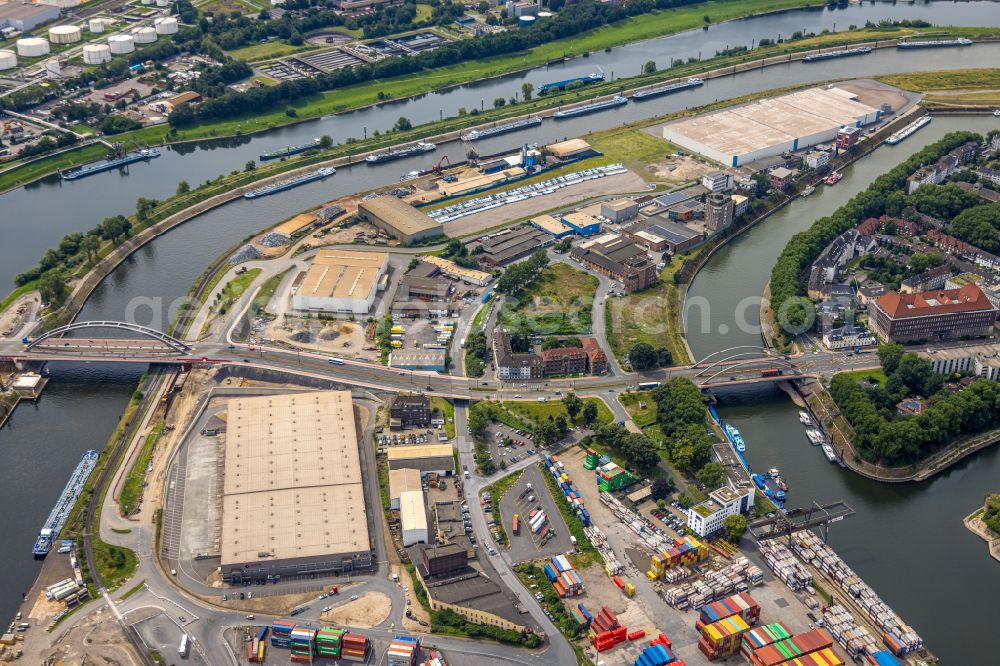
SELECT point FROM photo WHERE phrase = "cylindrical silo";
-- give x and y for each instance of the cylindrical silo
(7, 59)
(97, 25)
(144, 35)
(544, 15)
(166, 25)
(64, 34)
(526, 21)
(121, 44)
(30, 47)
(95, 54)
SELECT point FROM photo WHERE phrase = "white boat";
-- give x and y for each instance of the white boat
(815, 436)
(804, 418)
(828, 451)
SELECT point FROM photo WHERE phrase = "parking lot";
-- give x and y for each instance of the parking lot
(507, 444)
(670, 519)
(386, 439)
(527, 545)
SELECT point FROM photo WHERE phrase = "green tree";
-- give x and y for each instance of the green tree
(526, 91)
(144, 208)
(734, 526)
(183, 187)
(249, 166)
(712, 476)
(52, 288)
(642, 356)
(326, 142)
(640, 451)
(115, 228)
(649, 67)
(403, 124)
(662, 487)
(90, 245)
(573, 405)
(589, 414)
(413, 264)
(889, 356)
(499, 102)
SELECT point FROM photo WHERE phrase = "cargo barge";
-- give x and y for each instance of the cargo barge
(595, 77)
(840, 53)
(107, 165)
(289, 150)
(318, 174)
(54, 523)
(416, 149)
(497, 130)
(934, 43)
(617, 100)
(910, 129)
(693, 82)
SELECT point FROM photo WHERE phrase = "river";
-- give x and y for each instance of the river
(80, 407)
(907, 540)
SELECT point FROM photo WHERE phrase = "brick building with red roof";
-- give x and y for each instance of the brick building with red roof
(944, 314)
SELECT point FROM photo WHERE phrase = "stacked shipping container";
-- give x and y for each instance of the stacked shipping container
(656, 655)
(611, 477)
(564, 578)
(303, 644)
(784, 565)
(685, 551)
(605, 631)
(763, 636)
(329, 642)
(844, 629)
(882, 658)
(354, 647)
(723, 638)
(434, 659)
(281, 633)
(741, 604)
(557, 470)
(791, 648)
(403, 651)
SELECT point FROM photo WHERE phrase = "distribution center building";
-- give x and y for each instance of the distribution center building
(341, 281)
(771, 126)
(399, 219)
(293, 498)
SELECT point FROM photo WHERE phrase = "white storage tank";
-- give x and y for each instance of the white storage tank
(144, 35)
(121, 44)
(96, 54)
(8, 59)
(64, 34)
(162, 3)
(166, 25)
(544, 15)
(30, 47)
(97, 25)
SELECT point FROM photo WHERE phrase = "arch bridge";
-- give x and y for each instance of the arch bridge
(150, 340)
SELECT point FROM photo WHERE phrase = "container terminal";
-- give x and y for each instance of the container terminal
(290, 183)
(54, 523)
(841, 53)
(617, 100)
(289, 150)
(107, 165)
(934, 43)
(416, 149)
(693, 82)
(910, 129)
(504, 128)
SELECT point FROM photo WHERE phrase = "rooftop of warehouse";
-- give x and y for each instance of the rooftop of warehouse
(412, 512)
(297, 223)
(550, 224)
(402, 480)
(420, 451)
(398, 213)
(343, 274)
(449, 266)
(479, 181)
(17, 10)
(472, 589)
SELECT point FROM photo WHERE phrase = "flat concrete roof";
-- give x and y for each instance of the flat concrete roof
(403, 480)
(550, 224)
(420, 451)
(343, 274)
(400, 215)
(292, 479)
(412, 513)
(297, 223)
(451, 268)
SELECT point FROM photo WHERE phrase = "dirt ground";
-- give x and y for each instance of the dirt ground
(412, 602)
(679, 169)
(621, 184)
(14, 317)
(96, 640)
(279, 604)
(875, 93)
(369, 610)
(323, 336)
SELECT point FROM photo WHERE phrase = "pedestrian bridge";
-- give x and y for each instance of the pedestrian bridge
(146, 343)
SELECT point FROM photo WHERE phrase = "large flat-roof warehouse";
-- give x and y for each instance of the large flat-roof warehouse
(293, 499)
(399, 219)
(771, 126)
(341, 281)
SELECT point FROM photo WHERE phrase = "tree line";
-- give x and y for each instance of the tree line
(789, 276)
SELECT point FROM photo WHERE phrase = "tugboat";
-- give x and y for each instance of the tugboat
(833, 178)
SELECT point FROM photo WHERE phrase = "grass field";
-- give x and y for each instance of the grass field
(949, 79)
(234, 289)
(651, 316)
(635, 148)
(640, 407)
(861, 375)
(32, 170)
(558, 301)
(537, 412)
(128, 499)
(269, 50)
(448, 410)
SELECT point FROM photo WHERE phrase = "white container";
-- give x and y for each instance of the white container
(121, 44)
(97, 25)
(64, 34)
(166, 25)
(96, 54)
(144, 35)
(8, 59)
(31, 47)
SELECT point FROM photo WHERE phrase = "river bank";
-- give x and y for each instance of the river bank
(974, 523)
(309, 111)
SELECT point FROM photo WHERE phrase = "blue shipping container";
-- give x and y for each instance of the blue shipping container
(549, 573)
(885, 658)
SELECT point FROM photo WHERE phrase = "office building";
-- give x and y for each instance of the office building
(717, 181)
(706, 517)
(979, 360)
(410, 411)
(946, 314)
(619, 258)
(718, 211)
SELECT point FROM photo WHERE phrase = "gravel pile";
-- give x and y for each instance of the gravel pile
(275, 239)
(246, 253)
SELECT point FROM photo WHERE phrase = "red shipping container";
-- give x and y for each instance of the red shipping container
(609, 639)
(770, 655)
(636, 635)
(618, 582)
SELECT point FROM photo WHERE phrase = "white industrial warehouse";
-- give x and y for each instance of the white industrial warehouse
(341, 281)
(412, 517)
(771, 126)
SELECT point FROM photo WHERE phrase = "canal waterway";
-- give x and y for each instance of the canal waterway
(907, 540)
(37, 216)
(81, 406)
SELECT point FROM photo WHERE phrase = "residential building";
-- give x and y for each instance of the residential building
(780, 177)
(410, 411)
(511, 365)
(979, 360)
(342, 281)
(706, 517)
(991, 175)
(835, 257)
(717, 181)
(564, 361)
(619, 210)
(399, 219)
(619, 258)
(848, 337)
(718, 211)
(934, 174)
(597, 360)
(935, 315)
(816, 159)
(910, 407)
(740, 204)
(929, 280)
